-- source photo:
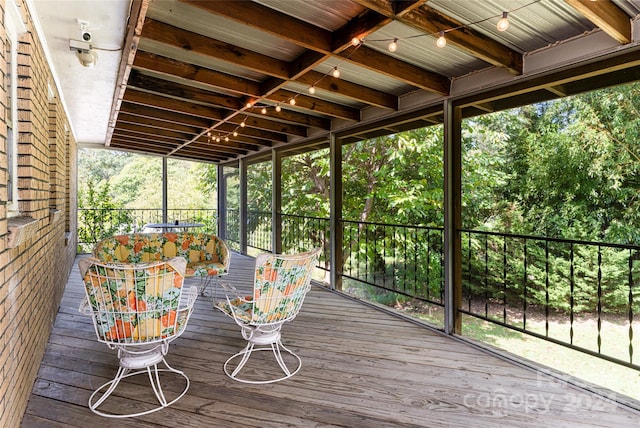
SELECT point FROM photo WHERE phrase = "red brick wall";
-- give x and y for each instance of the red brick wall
(33, 275)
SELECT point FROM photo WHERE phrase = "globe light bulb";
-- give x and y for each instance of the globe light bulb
(312, 90)
(355, 41)
(503, 24)
(442, 41)
(393, 46)
(235, 133)
(242, 124)
(249, 105)
(292, 101)
(335, 73)
(264, 110)
(278, 108)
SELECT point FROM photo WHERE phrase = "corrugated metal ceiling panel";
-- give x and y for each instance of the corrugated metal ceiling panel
(327, 14)
(533, 24)
(193, 19)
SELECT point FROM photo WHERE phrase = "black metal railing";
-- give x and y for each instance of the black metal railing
(259, 230)
(303, 233)
(232, 232)
(402, 259)
(544, 286)
(97, 223)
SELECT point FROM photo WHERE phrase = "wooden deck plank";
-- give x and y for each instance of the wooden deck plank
(361, 368)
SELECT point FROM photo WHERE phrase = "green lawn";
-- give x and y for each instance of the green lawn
(615, 377)
(614, 336)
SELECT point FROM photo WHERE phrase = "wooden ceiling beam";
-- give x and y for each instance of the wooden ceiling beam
(153, 100)
(140, 137)
(408, 73)
(249, 143)
(150, 146)
(206, 46)
(145, 149)
(124, 117)
(263, 138)
(316, 105)
(270, 21)
(293, 117)
(607, 16)
(171, 67)
(142, 131)
(359, 27)
(185, 92)
(167, 116)
(429, 20)
(197, 150)
(237, 142)
(271, 125)
(149, 83)
(134, 137)
(352, 90)
(138, 101)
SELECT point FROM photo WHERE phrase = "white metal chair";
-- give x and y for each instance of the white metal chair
(281, 283)
(138, 309)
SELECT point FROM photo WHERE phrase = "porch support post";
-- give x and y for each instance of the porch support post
(452, 218)
(242, 227)
(335, 195)
(276, 201)
(165, 191)
(222, 202)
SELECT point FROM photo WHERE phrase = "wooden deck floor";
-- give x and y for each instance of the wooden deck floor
(361, 368)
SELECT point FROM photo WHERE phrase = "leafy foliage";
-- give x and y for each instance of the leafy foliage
(99, 216)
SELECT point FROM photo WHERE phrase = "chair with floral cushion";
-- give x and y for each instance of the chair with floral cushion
(280, 285)
(138, 309)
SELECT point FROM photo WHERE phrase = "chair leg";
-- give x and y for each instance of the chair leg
(122, 373)
(206, 281)
(276, 348)
(246, 353)
(154, 378)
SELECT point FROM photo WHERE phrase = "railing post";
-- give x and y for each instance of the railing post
(165, 191)
(222, 202)
(452, 218)
(335, 145)
(242, 226)
(276, 201)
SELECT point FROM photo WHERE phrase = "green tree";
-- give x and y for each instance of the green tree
(99, 216)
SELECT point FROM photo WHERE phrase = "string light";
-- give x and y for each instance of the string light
(442, 41)
(503, 24)
(393, 45)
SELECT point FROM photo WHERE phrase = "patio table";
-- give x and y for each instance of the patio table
(169, 227)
